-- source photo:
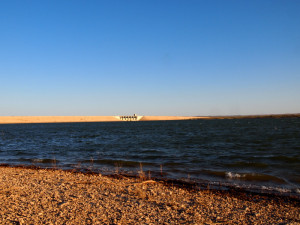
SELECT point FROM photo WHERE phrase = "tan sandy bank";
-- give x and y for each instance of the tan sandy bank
(153, 118)
(29, 196)
(55, 119)
(73, 119)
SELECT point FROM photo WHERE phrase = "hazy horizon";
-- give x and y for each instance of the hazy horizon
(158, 58)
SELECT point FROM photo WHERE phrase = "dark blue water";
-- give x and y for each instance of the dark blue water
(259, 153)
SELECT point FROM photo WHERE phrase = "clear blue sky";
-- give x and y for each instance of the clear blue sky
(158, 57)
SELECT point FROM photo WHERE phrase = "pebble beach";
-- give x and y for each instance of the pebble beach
(43, 196)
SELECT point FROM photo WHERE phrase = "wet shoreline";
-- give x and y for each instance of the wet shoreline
(188, 184)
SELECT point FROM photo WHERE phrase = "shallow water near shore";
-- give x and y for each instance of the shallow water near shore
(259, 154)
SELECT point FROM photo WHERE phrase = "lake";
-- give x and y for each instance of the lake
(257, 153)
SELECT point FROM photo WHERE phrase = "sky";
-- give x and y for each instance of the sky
(151, 57)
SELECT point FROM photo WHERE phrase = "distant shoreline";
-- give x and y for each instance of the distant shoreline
(78, 119)
(256, 116)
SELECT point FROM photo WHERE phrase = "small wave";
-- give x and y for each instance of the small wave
(214, 173)
(118, 163)
(23, 160)
(150, 151)
(44, 161)
(173, 164)
(231, 175)
(254, 177)
(88, 136)
(286, 159)
(251, 177)
(20, 152)
(276, 189)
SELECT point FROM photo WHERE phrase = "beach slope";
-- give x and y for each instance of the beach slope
(40, 196)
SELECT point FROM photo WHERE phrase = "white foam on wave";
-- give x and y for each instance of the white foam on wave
(276, 189)
(232, 175)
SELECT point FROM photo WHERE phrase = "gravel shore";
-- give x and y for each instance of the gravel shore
(40, 196)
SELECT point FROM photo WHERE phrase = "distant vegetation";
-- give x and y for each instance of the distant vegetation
(255, 116)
